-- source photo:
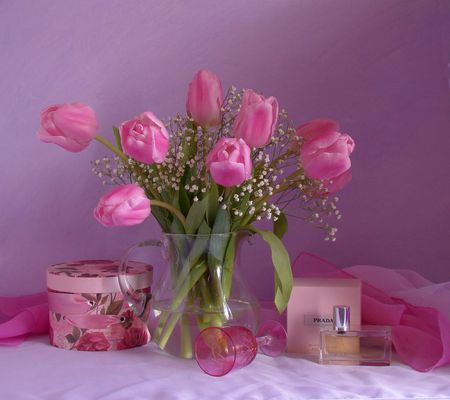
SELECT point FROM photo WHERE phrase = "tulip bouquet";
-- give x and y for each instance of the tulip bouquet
(227, 163)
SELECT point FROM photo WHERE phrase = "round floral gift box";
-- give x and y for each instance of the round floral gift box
(87, 309)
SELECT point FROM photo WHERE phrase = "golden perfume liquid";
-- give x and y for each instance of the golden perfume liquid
(371, 345)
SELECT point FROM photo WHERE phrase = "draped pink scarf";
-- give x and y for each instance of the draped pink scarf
(21, 316)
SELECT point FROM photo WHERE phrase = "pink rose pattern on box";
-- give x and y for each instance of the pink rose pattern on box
(93, 341)
(123, 329)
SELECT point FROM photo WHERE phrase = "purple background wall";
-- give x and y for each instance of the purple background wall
(379, 67)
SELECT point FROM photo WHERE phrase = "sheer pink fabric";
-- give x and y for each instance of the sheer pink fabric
(21, 316)
(417, 309)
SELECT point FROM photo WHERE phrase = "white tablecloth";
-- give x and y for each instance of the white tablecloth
(35, 370)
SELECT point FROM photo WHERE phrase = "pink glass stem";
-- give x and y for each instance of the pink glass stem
(271, 339)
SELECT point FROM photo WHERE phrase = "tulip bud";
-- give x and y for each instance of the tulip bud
(325, 153)
(124, 206)
(204, 100)
(71, 126)
(257, 119)
(338, 183)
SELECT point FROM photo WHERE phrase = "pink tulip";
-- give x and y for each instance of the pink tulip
(229, 162)
(337, 184)
(125, 205)
(71, 126)
(257, 119)
(145, 138)
(205, 99)
(325, 153)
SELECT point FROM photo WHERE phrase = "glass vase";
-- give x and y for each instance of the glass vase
(200, 287)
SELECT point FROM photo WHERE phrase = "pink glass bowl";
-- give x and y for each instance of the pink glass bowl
(221, 350)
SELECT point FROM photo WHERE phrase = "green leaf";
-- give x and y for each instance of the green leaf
(115, 307)
(89, 297)
(176, 226)
(282, 265)
(117, 137)
(219, 239)
(178, 246)
(200, 244)
(189, 149)
(213, 203)
(161, 216)
(183, 198)
(228, 265)
(196, 272)
(70, 338)
(174, 201)
(103, 300)
(188, 250)
(280, 226)
(222, 222)
(196, 215)
(76, 333)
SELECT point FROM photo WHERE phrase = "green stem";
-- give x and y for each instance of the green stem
(228, 265)
(185, 329)
(207, 300)
(124, 158)
(172, 209)
(186, 340)
(285, 155)
(204, 151)
(211, 305)
(111, 147)
(182, 291)
(167, 332)
(218, 297)
(222, 313)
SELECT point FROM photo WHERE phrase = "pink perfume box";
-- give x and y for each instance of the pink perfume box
(311, 307)
(87, 310)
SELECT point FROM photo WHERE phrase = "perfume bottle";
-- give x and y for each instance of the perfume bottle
(339, 345)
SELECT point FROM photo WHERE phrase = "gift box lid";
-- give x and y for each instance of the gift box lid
(96, 276)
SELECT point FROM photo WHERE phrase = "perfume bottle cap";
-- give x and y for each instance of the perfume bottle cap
(341, 318)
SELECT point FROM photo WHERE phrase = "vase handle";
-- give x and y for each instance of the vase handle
(137, 301)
